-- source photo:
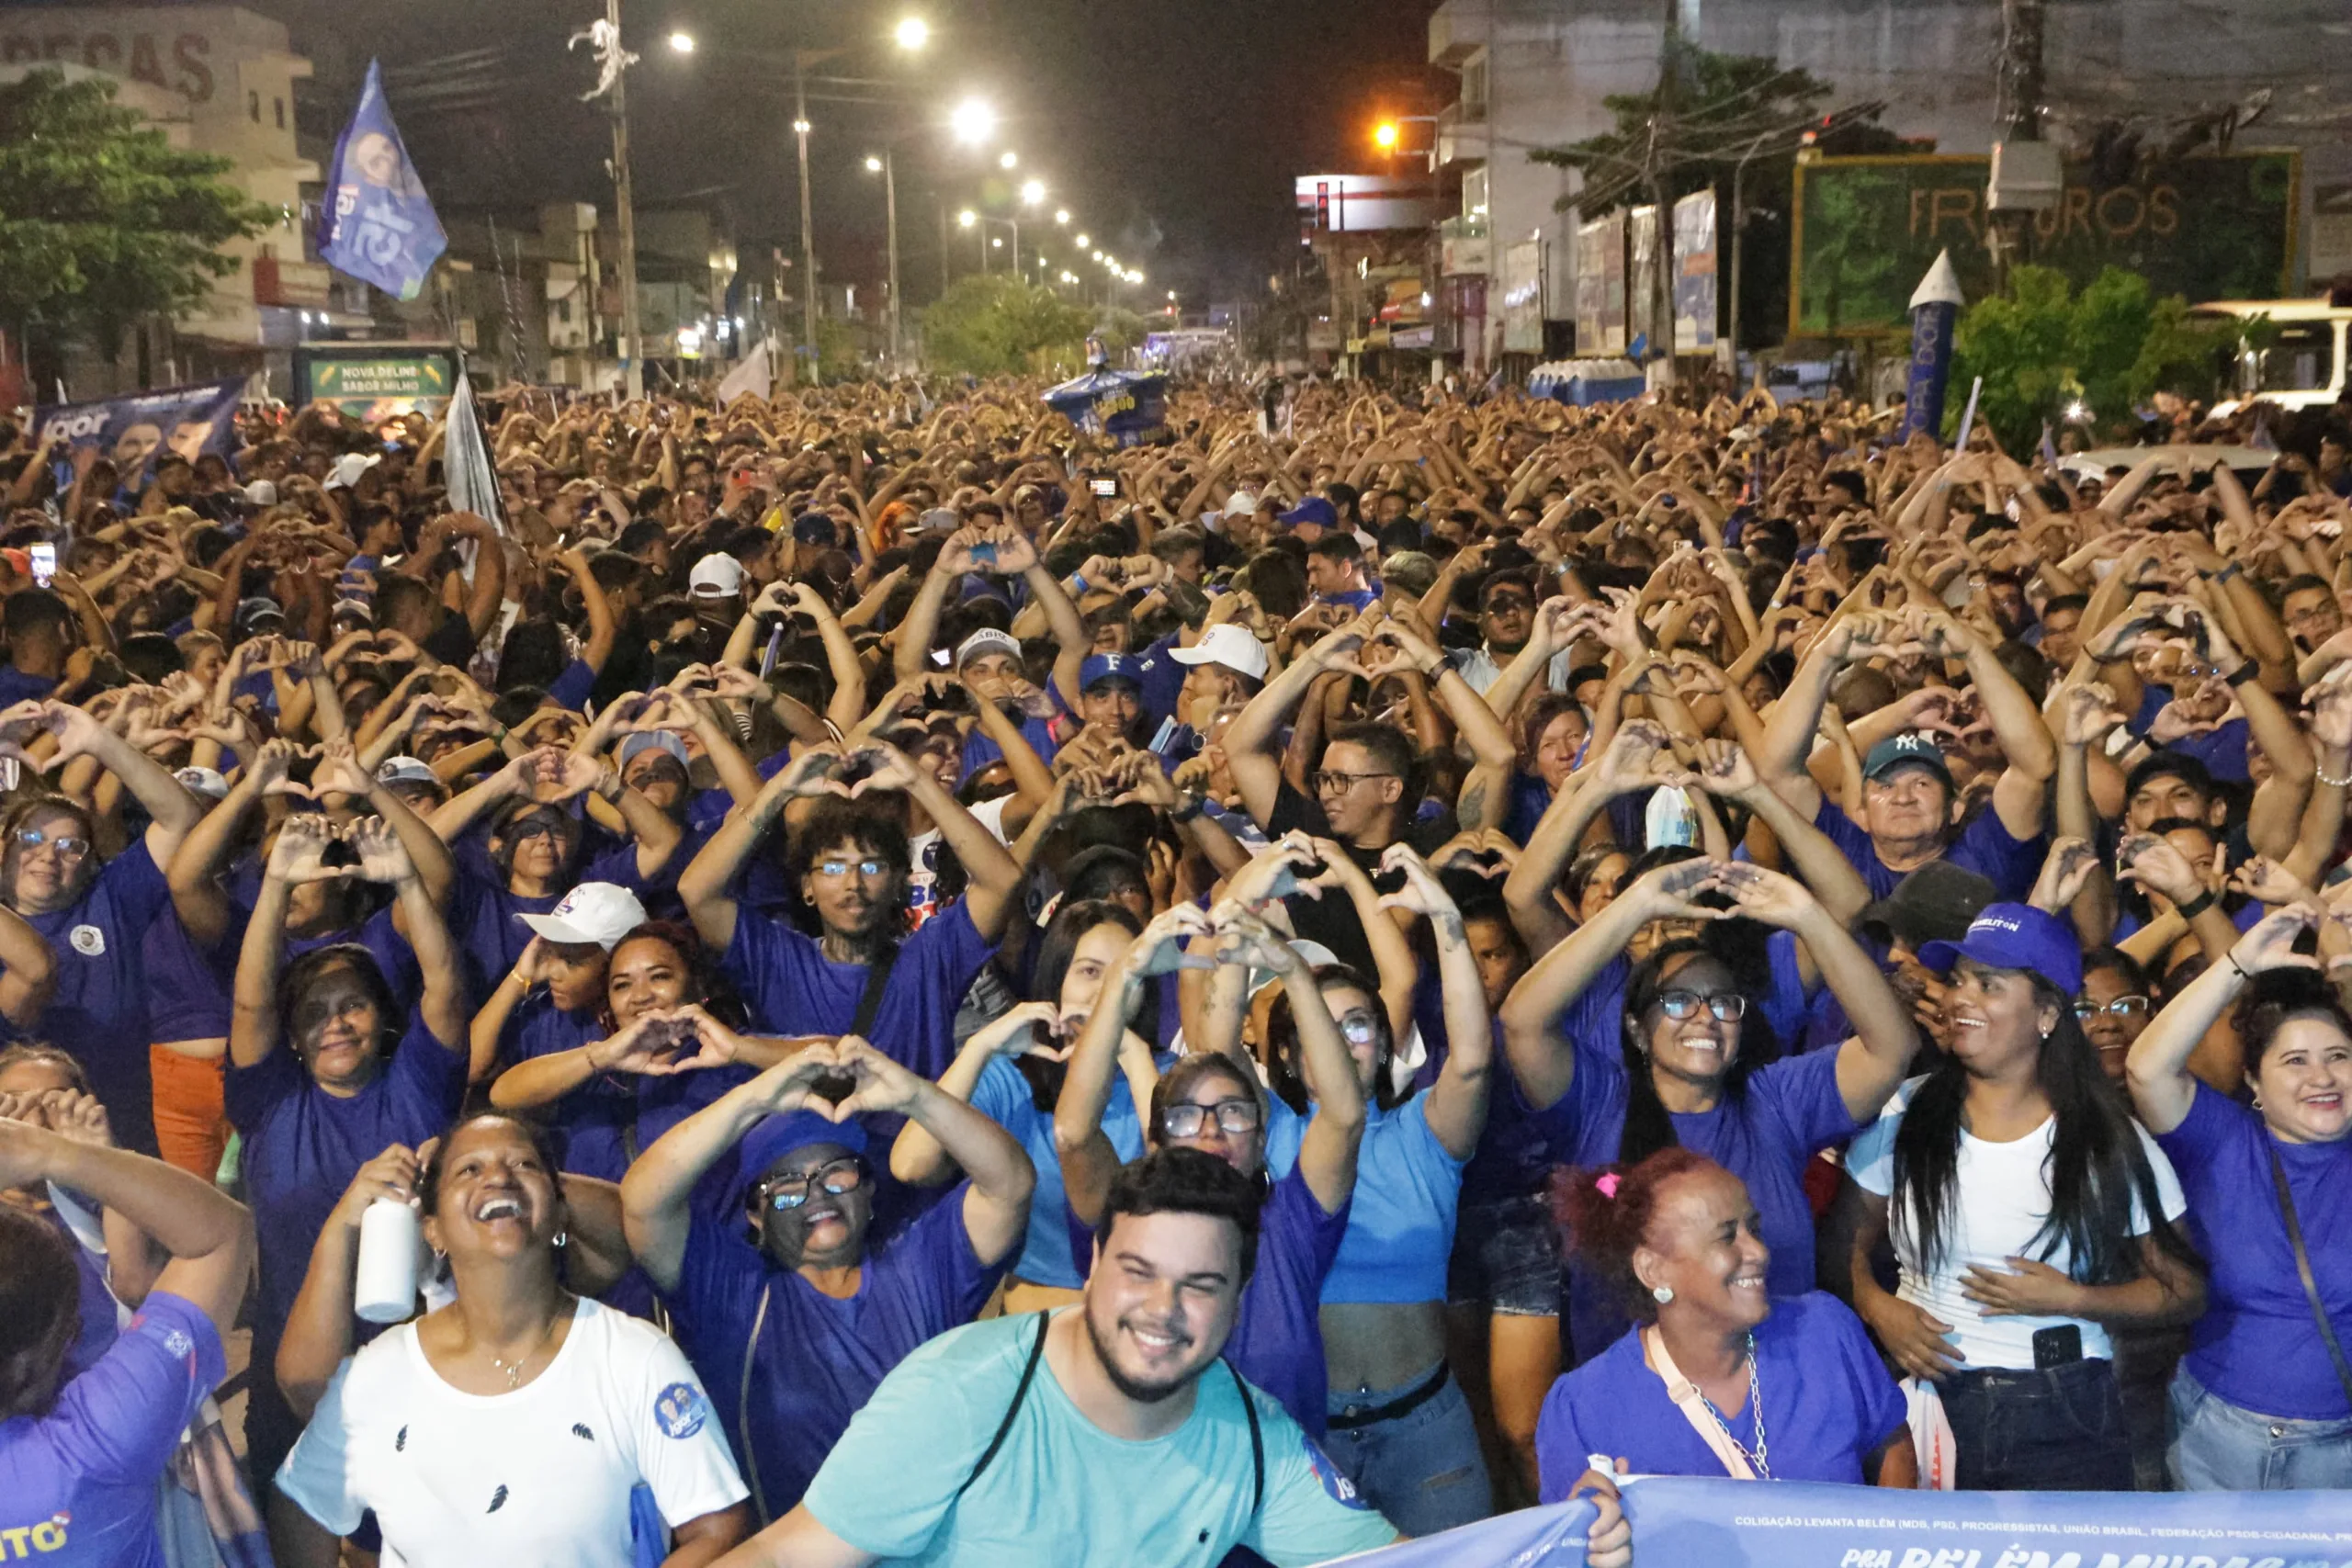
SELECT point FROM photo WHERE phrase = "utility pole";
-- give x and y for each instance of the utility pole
(890, 201)
(2018, 95)
(631, 345)
(808, 228)
(1661, 301)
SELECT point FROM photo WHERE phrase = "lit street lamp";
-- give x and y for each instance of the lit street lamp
(912, 33)
(886, 166)
(973, 121)
(682, 42)
(1062, 216)
(1010, 160)
(1032, 192)
(1081, 244)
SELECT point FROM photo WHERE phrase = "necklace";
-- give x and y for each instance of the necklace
(1755, 1456)
(513, 1369)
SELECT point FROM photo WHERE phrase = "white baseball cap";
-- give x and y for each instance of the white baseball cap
(405, 770)
(261, 493)
(601, 913)
(206, 782)
(1240, 504)
(988, 640)
(1230, 646)
(347, 469)
(716, 577)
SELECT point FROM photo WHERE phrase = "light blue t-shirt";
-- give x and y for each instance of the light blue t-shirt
(894, 1484)
(1400, 1230)
(1003, 1096)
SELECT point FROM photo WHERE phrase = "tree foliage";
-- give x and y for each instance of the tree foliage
(102, 221)
(2045, 347)
(994, 324)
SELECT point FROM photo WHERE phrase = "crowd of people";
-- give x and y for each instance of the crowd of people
(916, 984)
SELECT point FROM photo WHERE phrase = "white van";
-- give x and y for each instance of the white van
(2304, 367)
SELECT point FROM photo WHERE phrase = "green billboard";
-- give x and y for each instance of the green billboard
(376, 383)
(1868, 229)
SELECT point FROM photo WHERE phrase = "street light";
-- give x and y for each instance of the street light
(801, 127)
(1384, 135)
(682, 42)
(873, 165)
(1032, 192)
(966, 218)
(1010, 160)
(885, 165)
(1081, 244)
(912, 33)
(973, 121)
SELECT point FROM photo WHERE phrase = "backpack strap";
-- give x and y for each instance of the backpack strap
(2303, 1268)
(1019, 1396)
(743, 1407)
(1257, 1444)
(869, 1002)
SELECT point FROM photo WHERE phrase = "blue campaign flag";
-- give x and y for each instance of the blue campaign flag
(1788, 1523)
(378, 225)
(1934, 308)
(1131, 408)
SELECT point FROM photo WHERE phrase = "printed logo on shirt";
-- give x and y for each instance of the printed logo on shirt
(497, 1499)
(1341, 1490)
(89, 940)
(178, 1344)
(678, 1410)
(45, 1537)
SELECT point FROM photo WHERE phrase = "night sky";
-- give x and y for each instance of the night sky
(1172, 129)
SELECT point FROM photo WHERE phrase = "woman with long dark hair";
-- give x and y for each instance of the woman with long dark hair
(1792, 1390)
(1680, 1057)
(2262, 1400)
(2029, 1214)
(1012, 1070)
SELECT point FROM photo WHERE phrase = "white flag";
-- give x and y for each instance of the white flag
(465, 456)
(752, 375)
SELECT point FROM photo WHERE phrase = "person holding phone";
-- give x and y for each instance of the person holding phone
(2029, 1216)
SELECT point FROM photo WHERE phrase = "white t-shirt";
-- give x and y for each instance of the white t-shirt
(539, 1478)
(2003, 1201)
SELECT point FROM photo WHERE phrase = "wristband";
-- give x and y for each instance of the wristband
(2227, 572)
(1185, 813)
(2195, 906)
(2242, 674)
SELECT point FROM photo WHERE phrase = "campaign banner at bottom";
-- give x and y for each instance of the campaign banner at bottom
(1679, 1522)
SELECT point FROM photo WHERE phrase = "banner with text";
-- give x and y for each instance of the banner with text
(2209, 228)
(134, 428)
(1731, 1524)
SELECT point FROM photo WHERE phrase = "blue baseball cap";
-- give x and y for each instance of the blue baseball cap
(1898, 750)
(1101, 667)
(2016, 936)
(1313, 509)
(773, 1137)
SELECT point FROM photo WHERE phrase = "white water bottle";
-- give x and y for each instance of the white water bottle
(391, 1247)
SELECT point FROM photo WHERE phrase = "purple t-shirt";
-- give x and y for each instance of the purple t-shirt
(614, 1117)
(190, 988)
(2256, 1345)
(1984, 847)
(793, 989)
(100, 1010)
(818, 1357)
(1828, 1402)
(1789, 1111)
(1277, 1340)
(78, 1485)
(303, 1147)
(482, 923)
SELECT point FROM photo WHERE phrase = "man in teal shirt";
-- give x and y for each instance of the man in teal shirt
(1111, 1430)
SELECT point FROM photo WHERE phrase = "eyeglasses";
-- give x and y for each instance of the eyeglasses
(1728, 1007)
(842, 867)
(1331, 781)
(836, 1177)
(1185, 1120)
(67, 847)
(2122, 1007)
(537, 827)
(1357, 1029)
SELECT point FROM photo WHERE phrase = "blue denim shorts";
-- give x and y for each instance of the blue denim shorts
(1506, 1257)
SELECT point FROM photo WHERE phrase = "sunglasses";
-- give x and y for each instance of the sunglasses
(1728, 1007)
(836, 1177)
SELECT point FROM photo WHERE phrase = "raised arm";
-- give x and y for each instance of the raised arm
(172, 811)
(383, 860)
(1457, 1102)
(1327, 1151)
(319, 1330)
(702, 885)
(193, 874)
(996, 1210)
(1088, 1160)
(253, 1023)
(2156, 1071)
(27, 971)
(987, 897)
(1253, 741)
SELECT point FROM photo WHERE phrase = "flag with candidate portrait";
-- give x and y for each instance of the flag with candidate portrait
(377, 224)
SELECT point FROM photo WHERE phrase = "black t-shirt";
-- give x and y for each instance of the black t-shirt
(1332, 919)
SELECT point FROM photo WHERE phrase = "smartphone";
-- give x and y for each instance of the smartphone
(2060, 1345)
(983, 554)
(44, 560)
(1103, 487)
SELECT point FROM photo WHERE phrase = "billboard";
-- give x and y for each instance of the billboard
(1640, 279)
(1600, 285)
(1357, 204)
(1867, 229)
(137, 427)
(1523, 297)
(373, 383)
(1694, 273)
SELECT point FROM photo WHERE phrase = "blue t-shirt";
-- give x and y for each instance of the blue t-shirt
(99, 1012)
(303, 1147)
(2256, 1347)
(1003, 1096)
(1277, 1340)
(1789, 1111)
(1514, 1157)
(483, 925)
(981, 749)
(608, 1120)
(571, 689)
(1401, 1226)
(78, 1485)
(1984, 847)
(1828, 1402)
(818, 1359)
(793, 989)
(18, 686)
